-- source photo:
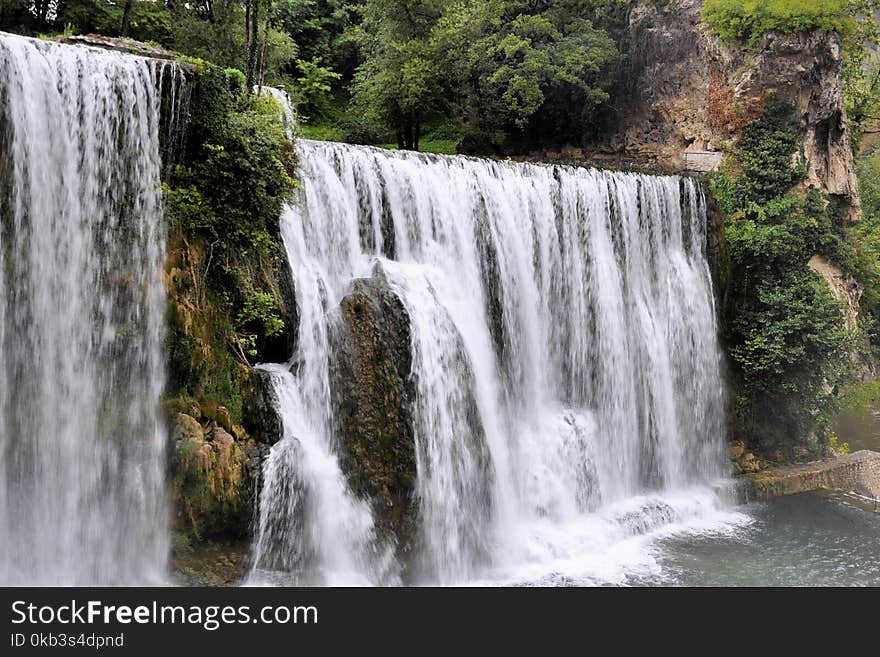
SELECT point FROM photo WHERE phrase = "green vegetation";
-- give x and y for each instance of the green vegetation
(835, 446)
(227, 276)
(861, 398)
(509, 71)
(865, 237)
(749, 20)
(446, 75)
(785, 332)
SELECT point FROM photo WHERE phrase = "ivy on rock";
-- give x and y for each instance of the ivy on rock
(785, 332)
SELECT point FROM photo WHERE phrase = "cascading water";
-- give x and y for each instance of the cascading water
(565, 362)
(82, 496)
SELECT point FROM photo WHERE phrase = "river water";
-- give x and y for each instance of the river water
(813, 539)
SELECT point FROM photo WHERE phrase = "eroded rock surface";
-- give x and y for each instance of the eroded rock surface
(373, 395)
(214, 478)
(687, 95)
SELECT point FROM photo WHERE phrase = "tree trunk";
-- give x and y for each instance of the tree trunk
(263, 53)
(253, 46)
(42, 7)
(408, 136)
(247, 30)
(126, 18)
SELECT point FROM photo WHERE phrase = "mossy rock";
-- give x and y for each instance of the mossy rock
(373, 396)
(215, 479)
(261, 409)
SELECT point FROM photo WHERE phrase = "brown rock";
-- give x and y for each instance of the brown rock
(687, 91)
(858, 472)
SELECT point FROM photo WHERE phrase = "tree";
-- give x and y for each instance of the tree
(534, 63)
(213, 31)
(126, 18)
(322, 30)
(785, 333)
(400, 84)
(501, 65)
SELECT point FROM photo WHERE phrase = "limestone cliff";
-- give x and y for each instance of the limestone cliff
(686, 95)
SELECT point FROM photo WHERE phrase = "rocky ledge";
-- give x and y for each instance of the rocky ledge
(120, 44)
(858, 472)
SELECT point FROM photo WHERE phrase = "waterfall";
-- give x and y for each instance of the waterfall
(564, 357)
(82, 446)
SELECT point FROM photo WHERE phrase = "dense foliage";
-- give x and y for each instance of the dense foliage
(786, 334)
(504, 74)
(227, 271)
(511, 71)
(749, 20)
(866, 238)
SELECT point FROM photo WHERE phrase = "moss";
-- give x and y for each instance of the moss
(861, 397)
(215, 478)
(202, 366)
(230, 303)
(749, 20)
(220, 562)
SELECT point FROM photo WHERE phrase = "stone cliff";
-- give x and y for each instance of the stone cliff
(685, 96)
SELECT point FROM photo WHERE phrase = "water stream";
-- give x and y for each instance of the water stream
(82, 467)
(564, 348)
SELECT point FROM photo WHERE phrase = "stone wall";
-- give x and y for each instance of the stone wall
(858, 472)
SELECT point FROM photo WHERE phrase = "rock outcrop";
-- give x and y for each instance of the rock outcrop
(121, 44)
(743, 460)
(215, 476)
(848, 291)
(845, 289)
(373, 395)
(687, 95)
(261, 410)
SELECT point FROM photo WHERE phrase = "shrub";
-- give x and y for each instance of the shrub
(784, 331)
(749, 20)
(223, 203)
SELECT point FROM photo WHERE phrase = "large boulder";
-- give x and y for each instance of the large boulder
(373, 396)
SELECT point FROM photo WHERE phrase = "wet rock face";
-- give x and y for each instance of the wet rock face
(278, 277)
(215, 477)
(372, 394)
(688, 93)
(261, 410)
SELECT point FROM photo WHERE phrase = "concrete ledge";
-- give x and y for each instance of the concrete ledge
(701, 161)
(858, 472)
